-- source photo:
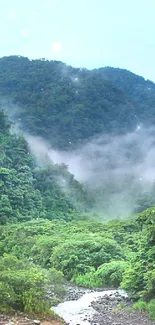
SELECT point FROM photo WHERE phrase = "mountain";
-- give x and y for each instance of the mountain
(79, 103)
(47, 231)
(70, 107)
(140, 91)
(30, 191)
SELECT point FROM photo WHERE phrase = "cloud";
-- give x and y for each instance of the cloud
(24, 33)
(56, 47)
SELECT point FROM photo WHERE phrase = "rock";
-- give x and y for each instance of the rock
(37, 322)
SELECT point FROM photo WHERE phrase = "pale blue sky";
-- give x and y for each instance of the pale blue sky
(83, 33)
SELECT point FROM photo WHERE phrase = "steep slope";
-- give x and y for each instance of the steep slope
(30, 192)
(78, 103)
(67, 105)
(140, 91)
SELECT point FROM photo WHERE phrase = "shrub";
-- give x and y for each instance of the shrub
(111, 273)
(149, 284)
(34, 301)
(89, 279)
(151, 309)
(24, 286)
(140, 305)
(133, 278)
(7, 296)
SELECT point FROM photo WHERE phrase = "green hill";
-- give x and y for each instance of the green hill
(65, 104)
(47, 233)
(140, 91)
(28, 191)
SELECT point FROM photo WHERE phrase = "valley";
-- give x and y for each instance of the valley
(77, 188)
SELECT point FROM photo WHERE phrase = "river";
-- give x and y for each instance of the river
(80, 311)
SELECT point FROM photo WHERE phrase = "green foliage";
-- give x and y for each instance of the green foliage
(88, 252)
(151, 309)
(119, 307)
(149, 278)
(7, 297)
(133, 278)
(78, 103)
(129, 309)
(30, 192)
(78, 254)
(111, 273)
(146, 307)
(35, 302)
(4, 124)
(88, 279)
(46, 230)
(147, 220)
(24, 286)
(141, 92)
(108, 274)
(140, 305)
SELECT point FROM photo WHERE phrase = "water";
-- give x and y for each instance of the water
(80, 311)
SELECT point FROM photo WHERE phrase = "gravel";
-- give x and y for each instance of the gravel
(117, 311)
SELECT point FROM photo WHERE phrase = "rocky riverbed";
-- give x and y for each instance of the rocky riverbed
(110, 307)
(88, 307)
(117, 310)
(26, 320)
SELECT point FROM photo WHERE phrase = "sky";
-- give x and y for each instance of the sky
(82, 33)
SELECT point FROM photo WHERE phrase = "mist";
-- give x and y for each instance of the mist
(118, 170)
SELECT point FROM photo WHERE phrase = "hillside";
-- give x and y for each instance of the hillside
(140, 91)
(79, 103)
(28, 191)
(48, 231)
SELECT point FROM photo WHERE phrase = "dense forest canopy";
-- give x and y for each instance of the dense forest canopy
(28, 191)
(49, 232)
(79, 103)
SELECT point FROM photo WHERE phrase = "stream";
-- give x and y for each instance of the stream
(81, 311)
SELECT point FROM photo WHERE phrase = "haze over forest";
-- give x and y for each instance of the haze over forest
(77, 168)
(96, 122)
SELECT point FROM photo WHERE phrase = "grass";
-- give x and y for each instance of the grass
(141, 305)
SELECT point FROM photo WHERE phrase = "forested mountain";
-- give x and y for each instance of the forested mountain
(30, 192)
(48, 234)
(140, 91)
(79, 103)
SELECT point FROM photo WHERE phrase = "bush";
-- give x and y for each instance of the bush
(78, 254)
(34, 301)
(151, 309)
(146, 307)
(140, 305)
(149, 284)
(88, 279)
(133, 278)
(24, 286)
(7, 297)
(111, 273)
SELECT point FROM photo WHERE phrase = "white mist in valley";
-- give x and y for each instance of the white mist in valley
(118, 170)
